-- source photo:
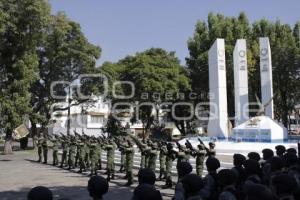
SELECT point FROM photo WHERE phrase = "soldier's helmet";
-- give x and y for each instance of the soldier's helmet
(238, 159)
(40, 193)
(267, 154)
(254, 156)
(212, 163)
(201, 147)
(97, 186)
(227, 177)
(280, 149)
(212, 144)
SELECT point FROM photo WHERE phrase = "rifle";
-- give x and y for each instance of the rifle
(206, 149)
(189, 145)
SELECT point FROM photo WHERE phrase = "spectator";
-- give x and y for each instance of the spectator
(146, 192)
(39, 193)
(146, 175)
(97, 187)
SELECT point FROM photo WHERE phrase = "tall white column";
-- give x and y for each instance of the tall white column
(241, 82)
(218, 119)
(266, 75)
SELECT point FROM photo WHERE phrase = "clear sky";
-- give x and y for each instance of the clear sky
(123, 27)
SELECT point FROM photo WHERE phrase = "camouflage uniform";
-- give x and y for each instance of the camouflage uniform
(200, 157)
(129, 151)
(94, 156)
(171, 156)
(72, 152)
(45, 150)
(65, 149)
(40, 147)
(152, 158)
(110, 148)
(55, 151)
(162, 161)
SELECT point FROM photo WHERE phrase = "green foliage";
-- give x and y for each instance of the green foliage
(22, 24)
(285, 57)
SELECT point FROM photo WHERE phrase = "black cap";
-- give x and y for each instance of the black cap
(227, 177)
(212, 163)
(146, 175)
(254, 156)
(97, 186)
(40, 193)
(146, 192)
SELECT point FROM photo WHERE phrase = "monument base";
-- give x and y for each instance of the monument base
(260, 129)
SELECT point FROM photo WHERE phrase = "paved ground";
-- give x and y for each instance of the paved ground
(20, 172)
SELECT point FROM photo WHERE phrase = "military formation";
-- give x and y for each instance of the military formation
(274, 175)
(85, 152)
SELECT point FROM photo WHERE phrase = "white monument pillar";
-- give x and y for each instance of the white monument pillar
(218, 119)
(241, 82)
(266, 76)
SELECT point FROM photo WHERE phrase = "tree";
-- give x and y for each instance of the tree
(22, 24)
(64, 56)
(155, 73)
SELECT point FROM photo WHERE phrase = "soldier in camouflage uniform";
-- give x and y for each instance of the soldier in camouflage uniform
(110, 148)
(212, 150)
(94, 156)
(171, 156)
(65, 149)
(129, 151)
(45, 150)
(72, 152)
(99, 150)
(162, 161)
(87, 152)
(81, 150)
(200, 155)
(55, 146)
(40, 147)
(152, 157)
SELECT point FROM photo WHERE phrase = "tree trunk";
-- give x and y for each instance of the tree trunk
(34, 134)
(7, 147)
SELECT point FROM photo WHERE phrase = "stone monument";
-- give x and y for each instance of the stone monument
(266, 76)
(218, 119)
(241, 82)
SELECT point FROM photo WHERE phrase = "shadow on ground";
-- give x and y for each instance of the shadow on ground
(69, 193)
